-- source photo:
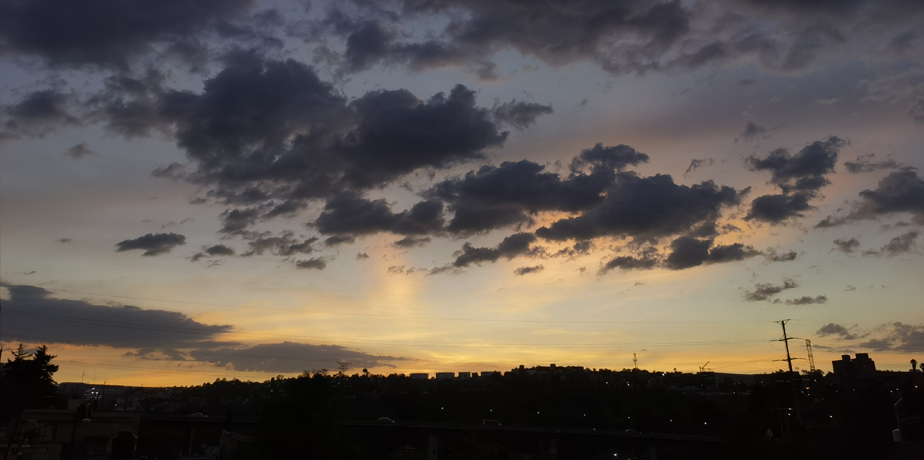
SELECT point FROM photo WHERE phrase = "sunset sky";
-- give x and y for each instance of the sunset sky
(195, 190)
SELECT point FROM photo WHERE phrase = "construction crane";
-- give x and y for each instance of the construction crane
(703, 368)
(811, 359)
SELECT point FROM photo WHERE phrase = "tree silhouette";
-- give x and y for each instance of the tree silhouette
(914, 364)
(27, 381)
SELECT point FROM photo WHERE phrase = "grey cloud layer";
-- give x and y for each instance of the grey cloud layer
(32, 315)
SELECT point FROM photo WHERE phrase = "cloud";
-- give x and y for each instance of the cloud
(502, 196)
(847, 246)
(901, 337)
(512, 246)
(337, 240)
(901, 244)
(838, 330)
(174, 171)
(799, 176)
(527, 270)
(773, 256)
(39, 113)
(520, 115)
(285, 245)
(290, 357)
(218, 250)
(899, 192)
(106, 33)
(697, 163)
(31, 314)
(617, 157)
(753, 131)
(807, 300)
(866, 163)
(646, 261)
(687, 252)
(354, 215)
(80, 151)
(411, 242)
(745, 81)
(766, 290)
(315, 263)
(153, 244)
(645, 207)
(362, 256)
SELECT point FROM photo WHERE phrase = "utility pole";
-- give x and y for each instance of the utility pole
(786, 340)
(795, 398)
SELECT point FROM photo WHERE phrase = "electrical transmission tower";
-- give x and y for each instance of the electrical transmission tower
(342, 367)
(811, 359)
(634, 361)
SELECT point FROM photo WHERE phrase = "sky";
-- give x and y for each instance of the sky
(244, 189)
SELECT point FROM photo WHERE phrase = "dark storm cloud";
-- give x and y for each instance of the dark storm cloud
(152, 244)
(31, 314)
(302, 140)
(527, 270)
(901, 244)
(411, 242)
(499, 196)
(353, 215)
(520, 115)
(106, 33)
(512, 246)
(799, 176)
(807, 300)
(79, 151)
(766, 290)
(838, 330)
(315, 263)
(399, 133)
(285, 245)
(645, 207)
(867, 163)
(290, 357)
(899, 192)
(847, 246)
(39, 113)
(900, 337)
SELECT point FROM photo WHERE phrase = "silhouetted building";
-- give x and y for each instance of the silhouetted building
(420, 376)
(852, 369)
